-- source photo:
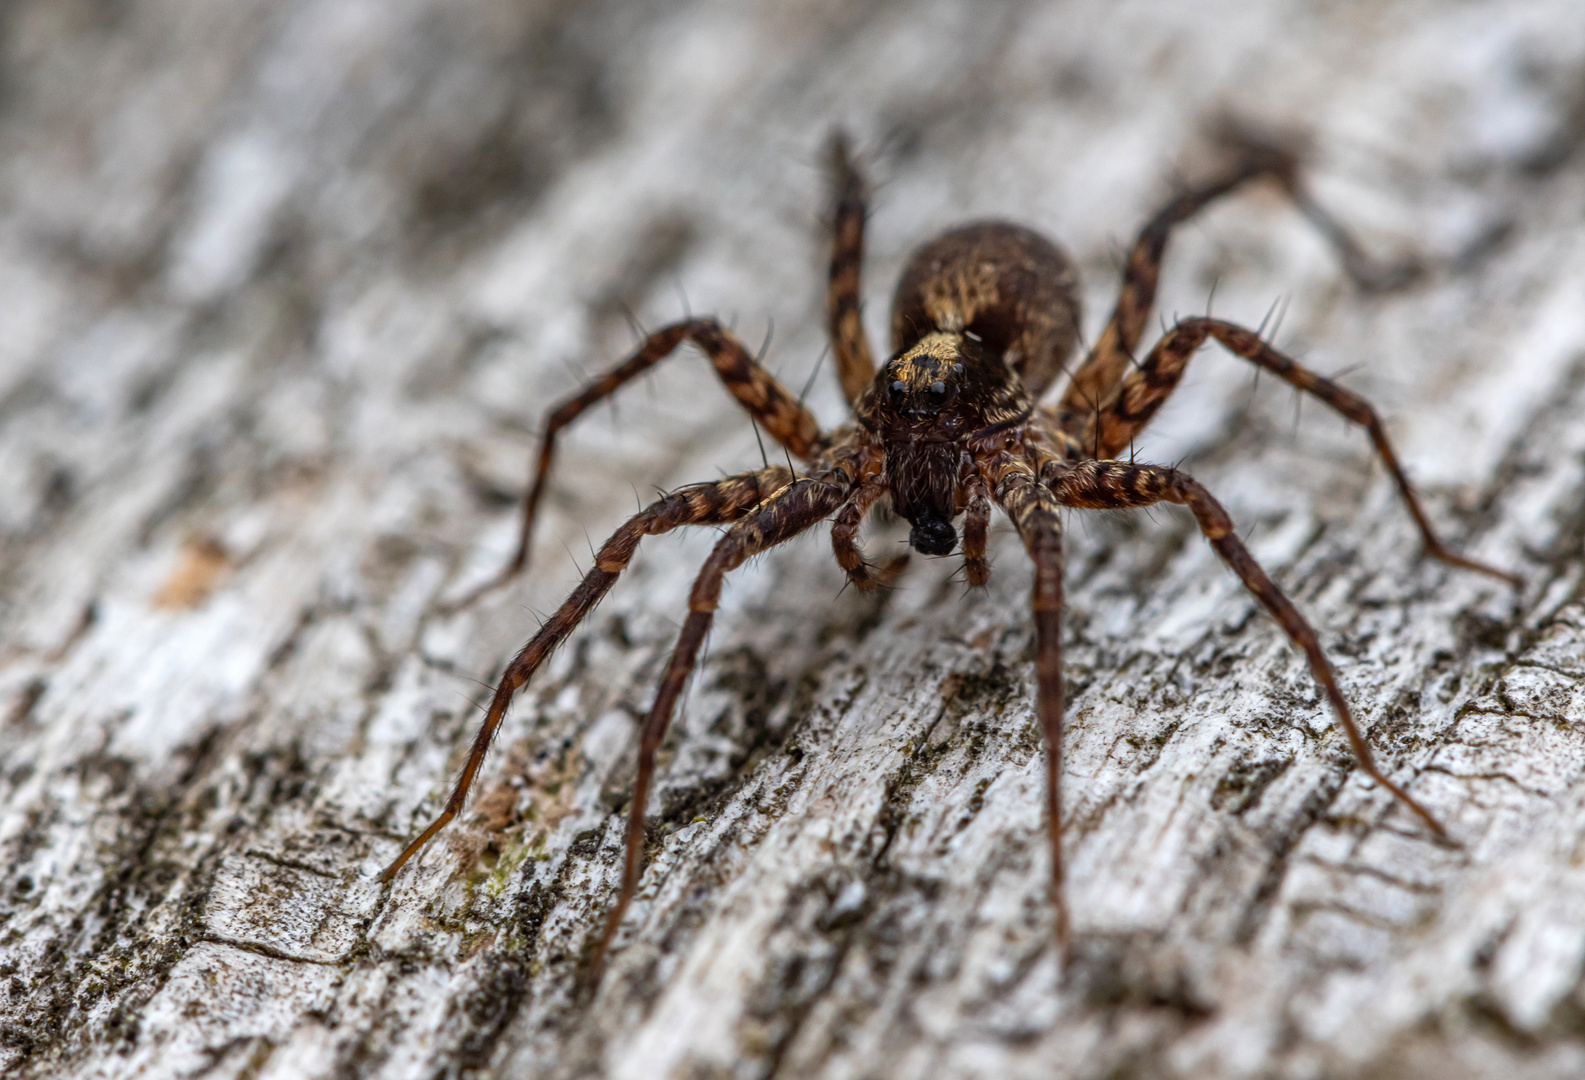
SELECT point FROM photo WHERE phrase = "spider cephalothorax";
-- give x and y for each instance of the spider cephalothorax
(929, 403)
(984, 319)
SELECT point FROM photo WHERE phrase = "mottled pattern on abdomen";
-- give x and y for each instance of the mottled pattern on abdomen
(1008, 285)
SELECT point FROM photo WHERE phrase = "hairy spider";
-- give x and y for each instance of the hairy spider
(984, 319)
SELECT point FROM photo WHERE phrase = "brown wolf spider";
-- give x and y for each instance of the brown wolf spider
(983, 321)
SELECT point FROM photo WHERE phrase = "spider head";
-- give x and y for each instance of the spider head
(926, 404)
(916, 387)
(941, 388)
(933, 389)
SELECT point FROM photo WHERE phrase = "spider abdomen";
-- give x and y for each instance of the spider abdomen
(1006, 285)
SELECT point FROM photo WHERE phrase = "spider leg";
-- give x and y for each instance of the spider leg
(796, 507)
(765, 399)
(1114, 484)
(976, 525)
(701, 504)
(1143, 391)
(1099, 374)
(855, 367)
(1036, 514)
(862, 573)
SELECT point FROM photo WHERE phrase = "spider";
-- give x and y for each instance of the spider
(984, 319)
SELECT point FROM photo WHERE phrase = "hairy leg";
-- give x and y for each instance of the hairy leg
(1036, 514)
(701, 504)
(855, 367)
(1143, 391)
(976, 526)
(780, 413)
(1100, 485)
(796, 507)
(865, 575)
(1092, 384)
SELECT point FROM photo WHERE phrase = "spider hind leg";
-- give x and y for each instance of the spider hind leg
(844, 322)
(1115, 424)
(772, 406)
(1096, 380)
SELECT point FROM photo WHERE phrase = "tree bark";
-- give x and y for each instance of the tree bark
(288, 287)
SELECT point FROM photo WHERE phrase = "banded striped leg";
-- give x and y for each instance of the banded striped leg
(1035, 513)
(855, 367)
(862, 573)
(702, 504)
(796, 507)
(1101, 485)
(1096, 379)
(765, 399)
(976, 527)
(1143, 391)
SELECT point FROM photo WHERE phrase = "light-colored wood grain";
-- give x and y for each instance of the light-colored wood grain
(286, 287)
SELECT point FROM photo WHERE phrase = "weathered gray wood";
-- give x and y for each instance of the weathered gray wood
(286, 287)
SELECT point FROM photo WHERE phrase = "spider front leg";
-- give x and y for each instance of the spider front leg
(1116, 423)
(780, 413)
(798, 506)
(1104, 485)
(701, 504)
(1036, 514)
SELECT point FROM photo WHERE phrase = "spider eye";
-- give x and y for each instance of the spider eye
(957, 369)
(938, 389)
(898, 386)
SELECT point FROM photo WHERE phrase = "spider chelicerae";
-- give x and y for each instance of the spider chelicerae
(984, 319)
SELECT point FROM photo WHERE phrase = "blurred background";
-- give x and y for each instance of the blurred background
(285, 289)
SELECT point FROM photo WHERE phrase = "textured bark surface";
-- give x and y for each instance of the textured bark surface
(286, 288)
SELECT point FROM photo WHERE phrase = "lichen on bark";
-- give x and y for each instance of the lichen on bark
(287, 287)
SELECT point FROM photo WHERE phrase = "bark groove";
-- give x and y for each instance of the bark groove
(287, 286)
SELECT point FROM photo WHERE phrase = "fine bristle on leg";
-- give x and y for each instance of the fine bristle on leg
(1145, 389)
(713, 503)
(795, 508)
(775, 410)
(1036, 514)
(1098, 485)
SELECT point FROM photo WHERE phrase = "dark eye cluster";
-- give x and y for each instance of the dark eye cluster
(938, 390)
